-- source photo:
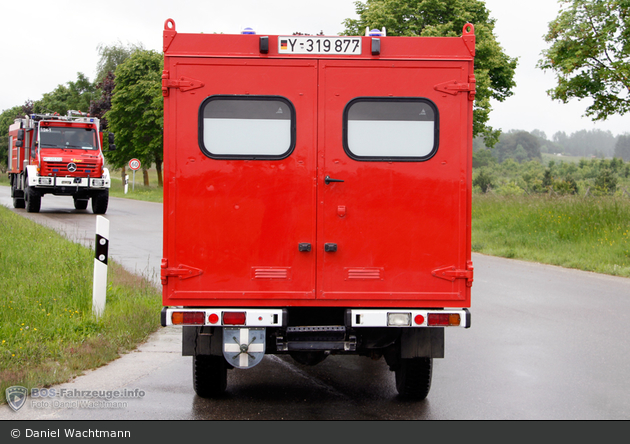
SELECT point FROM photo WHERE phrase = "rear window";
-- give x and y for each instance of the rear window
(391, 129)
(247, 127)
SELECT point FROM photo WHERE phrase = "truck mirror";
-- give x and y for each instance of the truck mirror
(110, 138)
(19, 144)
(20, 135)
(112, 147)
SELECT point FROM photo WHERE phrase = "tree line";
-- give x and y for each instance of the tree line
(523, 146)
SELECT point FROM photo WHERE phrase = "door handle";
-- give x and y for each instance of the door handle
(328, 179)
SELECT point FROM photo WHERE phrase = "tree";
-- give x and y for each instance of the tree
(509, 143)
(71, 96)
(112, 56)
(622, 147)
(590, 54)
(136, 116)
(494, 70)
(100, 106)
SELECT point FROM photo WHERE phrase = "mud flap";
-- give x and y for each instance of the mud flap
(243, 347)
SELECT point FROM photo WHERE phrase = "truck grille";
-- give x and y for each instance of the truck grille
(61, 169)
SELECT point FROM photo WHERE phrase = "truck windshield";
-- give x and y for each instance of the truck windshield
(67, 137)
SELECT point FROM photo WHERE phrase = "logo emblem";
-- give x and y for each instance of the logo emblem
(244, 347)
(16, 396)
(72, 167)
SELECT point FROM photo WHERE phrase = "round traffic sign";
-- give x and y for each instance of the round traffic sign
(134, 164)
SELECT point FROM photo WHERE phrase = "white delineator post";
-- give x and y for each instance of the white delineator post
(101, 247)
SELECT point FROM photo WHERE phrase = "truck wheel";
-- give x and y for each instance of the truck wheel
(18, 202)
(413, 377)
(209, 375)
(100, 202)
(80, 204)
(33, 200)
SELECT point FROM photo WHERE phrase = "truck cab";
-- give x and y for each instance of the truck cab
(318, 199)
(61, 155)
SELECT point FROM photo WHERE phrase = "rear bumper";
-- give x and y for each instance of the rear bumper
(355, 318)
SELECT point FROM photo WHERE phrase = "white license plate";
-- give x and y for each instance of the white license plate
(319, 45)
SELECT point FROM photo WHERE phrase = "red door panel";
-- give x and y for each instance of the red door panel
(393, 221)
(240, 220)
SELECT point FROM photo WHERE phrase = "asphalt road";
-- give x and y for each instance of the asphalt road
(545, 343)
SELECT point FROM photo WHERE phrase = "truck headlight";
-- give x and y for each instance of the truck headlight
(45, 180)
(98, 182)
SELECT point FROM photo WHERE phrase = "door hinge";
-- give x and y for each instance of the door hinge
(451, 273)
(182, 272)
(454, 87)
(183, 83)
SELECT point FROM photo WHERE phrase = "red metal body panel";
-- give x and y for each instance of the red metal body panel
(232, 226)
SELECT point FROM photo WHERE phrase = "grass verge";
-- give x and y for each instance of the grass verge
(47, 331)
(586, 233)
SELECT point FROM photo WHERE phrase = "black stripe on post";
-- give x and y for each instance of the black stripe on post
(102, 247)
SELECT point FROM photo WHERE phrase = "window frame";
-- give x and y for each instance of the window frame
(245, 97)
(424, 100)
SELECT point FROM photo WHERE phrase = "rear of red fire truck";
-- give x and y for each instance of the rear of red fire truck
(60, 155)
(318, 199)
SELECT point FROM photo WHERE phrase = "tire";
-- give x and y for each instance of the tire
(413, 377)
(18, 202)
(80, 204)
(209, 375)
(100, 201)
(33, 199)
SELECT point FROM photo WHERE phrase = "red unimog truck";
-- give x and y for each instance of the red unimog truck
(318, 199)
(61, 155)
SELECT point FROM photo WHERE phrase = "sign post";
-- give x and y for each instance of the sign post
(99, 285)
(134, 164)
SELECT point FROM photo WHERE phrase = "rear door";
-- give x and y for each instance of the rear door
(241, 214)
(393, 211)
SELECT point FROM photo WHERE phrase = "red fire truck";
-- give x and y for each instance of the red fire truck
(61, 155)
(318, 199)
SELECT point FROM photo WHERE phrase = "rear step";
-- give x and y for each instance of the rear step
(325, 337)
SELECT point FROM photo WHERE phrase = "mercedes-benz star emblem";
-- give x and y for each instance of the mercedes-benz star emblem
(72, 167)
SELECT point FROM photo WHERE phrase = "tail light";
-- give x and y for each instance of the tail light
(188, 317)
(443, 319)
(234, 318)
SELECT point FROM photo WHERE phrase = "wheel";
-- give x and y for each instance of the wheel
(209, 375)
(33, 199)
(80, 204)
(18, 202)
(100, 201)
(413, 377)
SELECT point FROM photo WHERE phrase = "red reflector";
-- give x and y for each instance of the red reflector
(213, 318)
(188, 317)
(438, 319)
(419, 319)
(234, 318)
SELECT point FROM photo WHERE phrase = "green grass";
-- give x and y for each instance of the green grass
(586, 233)
(151, 193)
(48, 333)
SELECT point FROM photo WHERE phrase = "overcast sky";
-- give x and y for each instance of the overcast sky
(46, 43)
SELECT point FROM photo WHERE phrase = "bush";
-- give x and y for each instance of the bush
(483, 180)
